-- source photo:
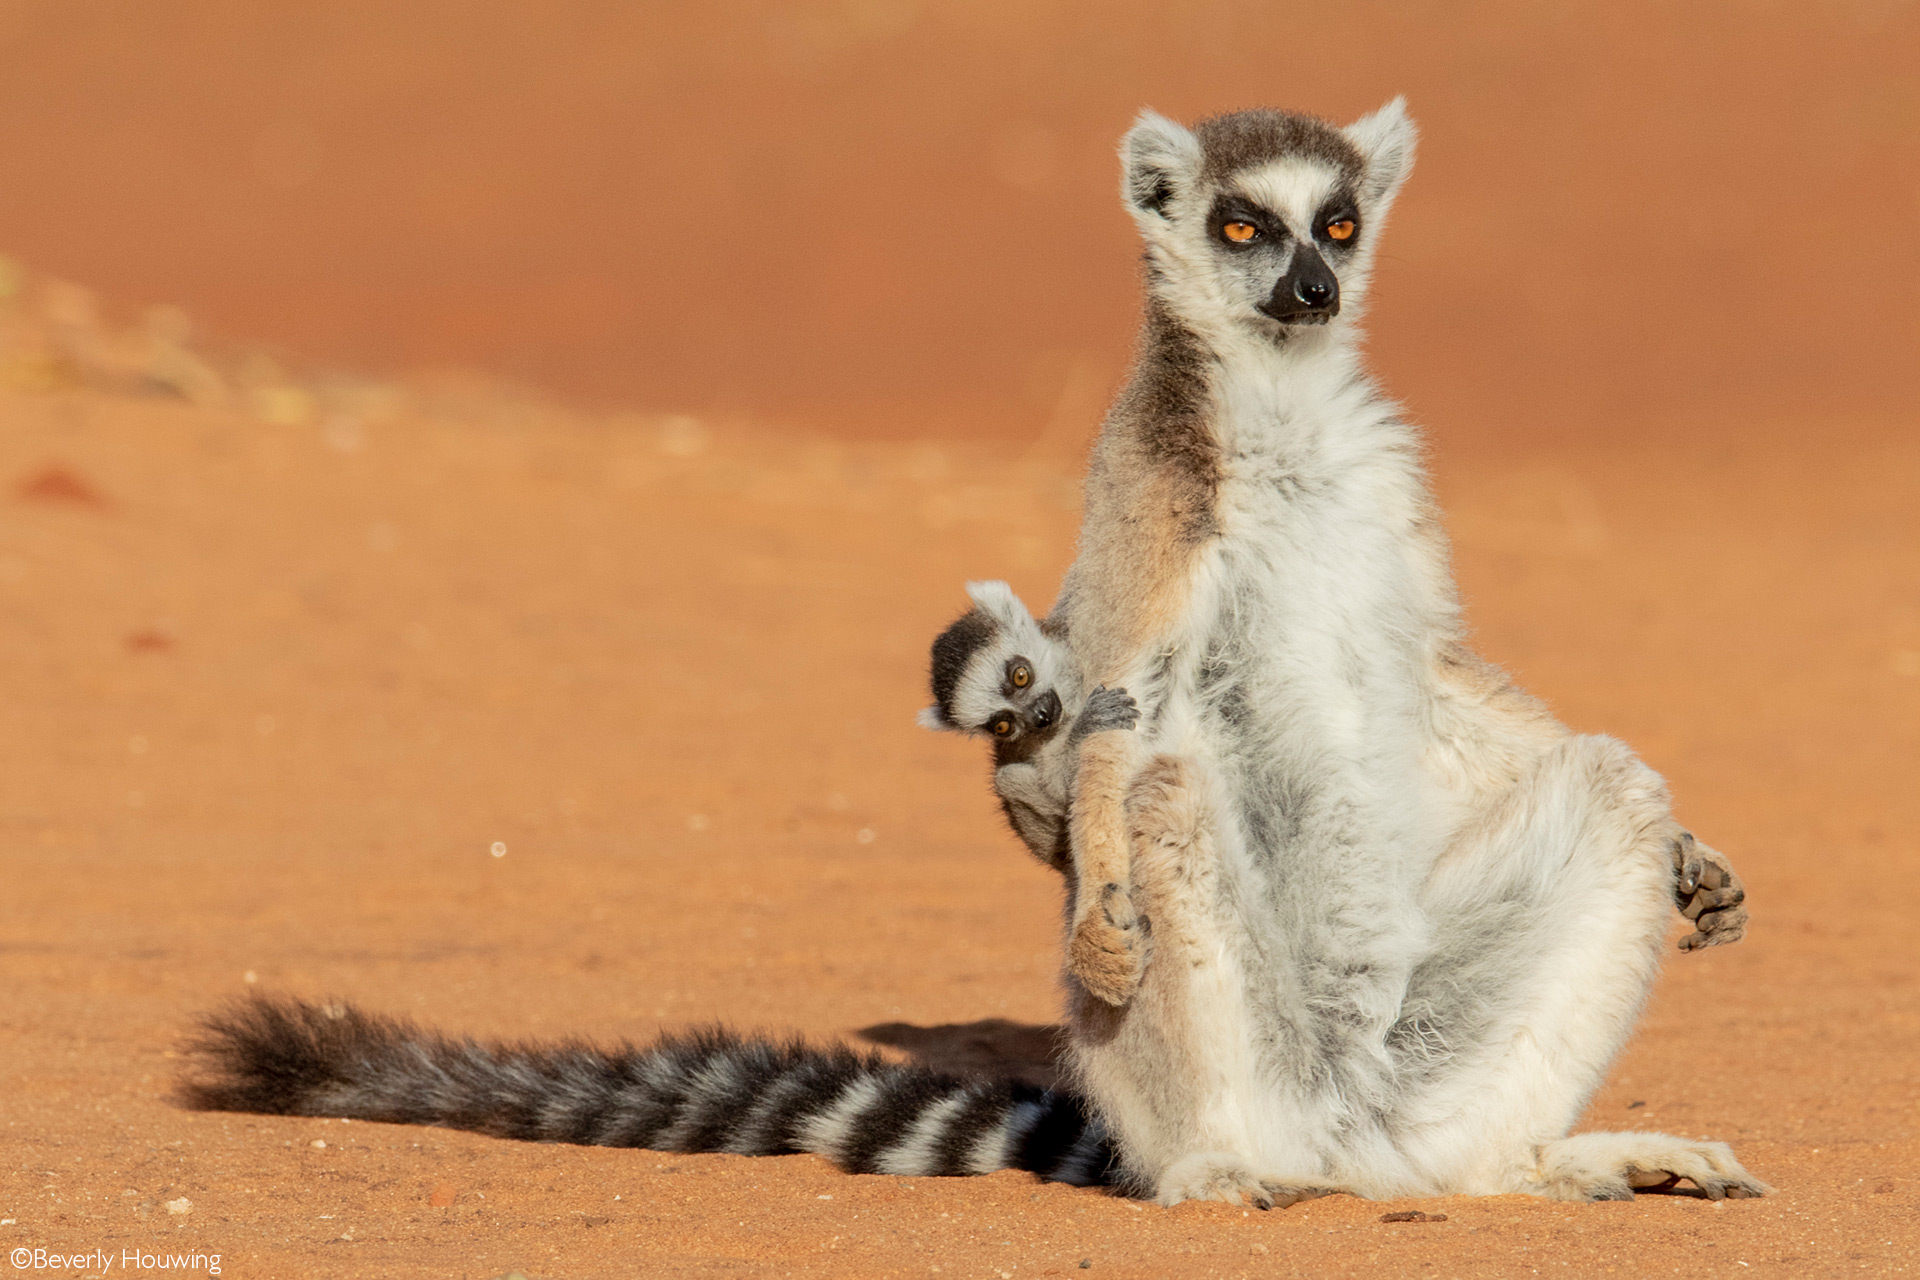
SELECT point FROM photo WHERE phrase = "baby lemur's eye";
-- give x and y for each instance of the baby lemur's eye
(1341, 229)
(1002, 727)
(1240, 232)
(1022, 676)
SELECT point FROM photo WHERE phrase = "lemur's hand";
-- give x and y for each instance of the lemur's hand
(1708, 893)
(1106, 709)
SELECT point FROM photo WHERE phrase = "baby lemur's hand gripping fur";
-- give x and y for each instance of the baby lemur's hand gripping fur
(996, 674)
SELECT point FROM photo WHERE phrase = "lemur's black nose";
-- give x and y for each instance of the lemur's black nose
(1308, 294)
(1315, 293)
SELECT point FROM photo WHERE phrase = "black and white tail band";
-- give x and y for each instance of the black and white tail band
(708, 1090)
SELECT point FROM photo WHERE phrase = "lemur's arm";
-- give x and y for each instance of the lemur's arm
(1107, 950)
(1125, 605)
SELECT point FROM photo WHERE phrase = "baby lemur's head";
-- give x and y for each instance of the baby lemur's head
(997, 675)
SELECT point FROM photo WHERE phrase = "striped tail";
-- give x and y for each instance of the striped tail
(709, 1090)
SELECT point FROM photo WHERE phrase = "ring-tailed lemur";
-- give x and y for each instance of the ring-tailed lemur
(996, 673)
(1402, 918)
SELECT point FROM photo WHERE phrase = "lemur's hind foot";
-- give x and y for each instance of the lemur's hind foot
(1108, 950)
(1708, 893)
(1218, 1176)
(1610, 1166)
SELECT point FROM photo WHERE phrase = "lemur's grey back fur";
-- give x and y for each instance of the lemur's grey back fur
(708, 1090)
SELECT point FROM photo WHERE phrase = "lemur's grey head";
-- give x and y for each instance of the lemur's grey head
(995, 673)
(1263, 220)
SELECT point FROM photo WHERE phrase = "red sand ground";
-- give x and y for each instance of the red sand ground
(271, 702)
(278, 674)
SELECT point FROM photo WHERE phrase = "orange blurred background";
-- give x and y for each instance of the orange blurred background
(891, 218)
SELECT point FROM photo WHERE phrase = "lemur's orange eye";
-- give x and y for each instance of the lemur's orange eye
(1002, 727)
(1240, 232)
(1341, 229)
(1022, 677)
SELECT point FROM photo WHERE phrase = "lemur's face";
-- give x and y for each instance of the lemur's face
(1263, 221)
(997, 675)
(1280, 238)
(1027, 709)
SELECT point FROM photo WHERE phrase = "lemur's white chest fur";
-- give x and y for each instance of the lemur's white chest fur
(1304, 650)
(1297, 688)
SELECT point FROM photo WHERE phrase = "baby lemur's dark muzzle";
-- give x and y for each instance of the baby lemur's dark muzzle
(1046, 710)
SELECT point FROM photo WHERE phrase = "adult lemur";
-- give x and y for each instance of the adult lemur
(1401, 919)
(1409, 918)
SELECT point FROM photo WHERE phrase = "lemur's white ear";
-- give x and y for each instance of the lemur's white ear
(1386, 138)
(930, 718)
(1158, 160)
(990, 594)
(997, 601)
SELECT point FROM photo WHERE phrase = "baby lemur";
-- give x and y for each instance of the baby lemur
(997, 674)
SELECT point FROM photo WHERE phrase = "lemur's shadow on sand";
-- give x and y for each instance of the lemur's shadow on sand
(992, 1048)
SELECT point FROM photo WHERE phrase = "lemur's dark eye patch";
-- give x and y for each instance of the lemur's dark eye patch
(1242, 224)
